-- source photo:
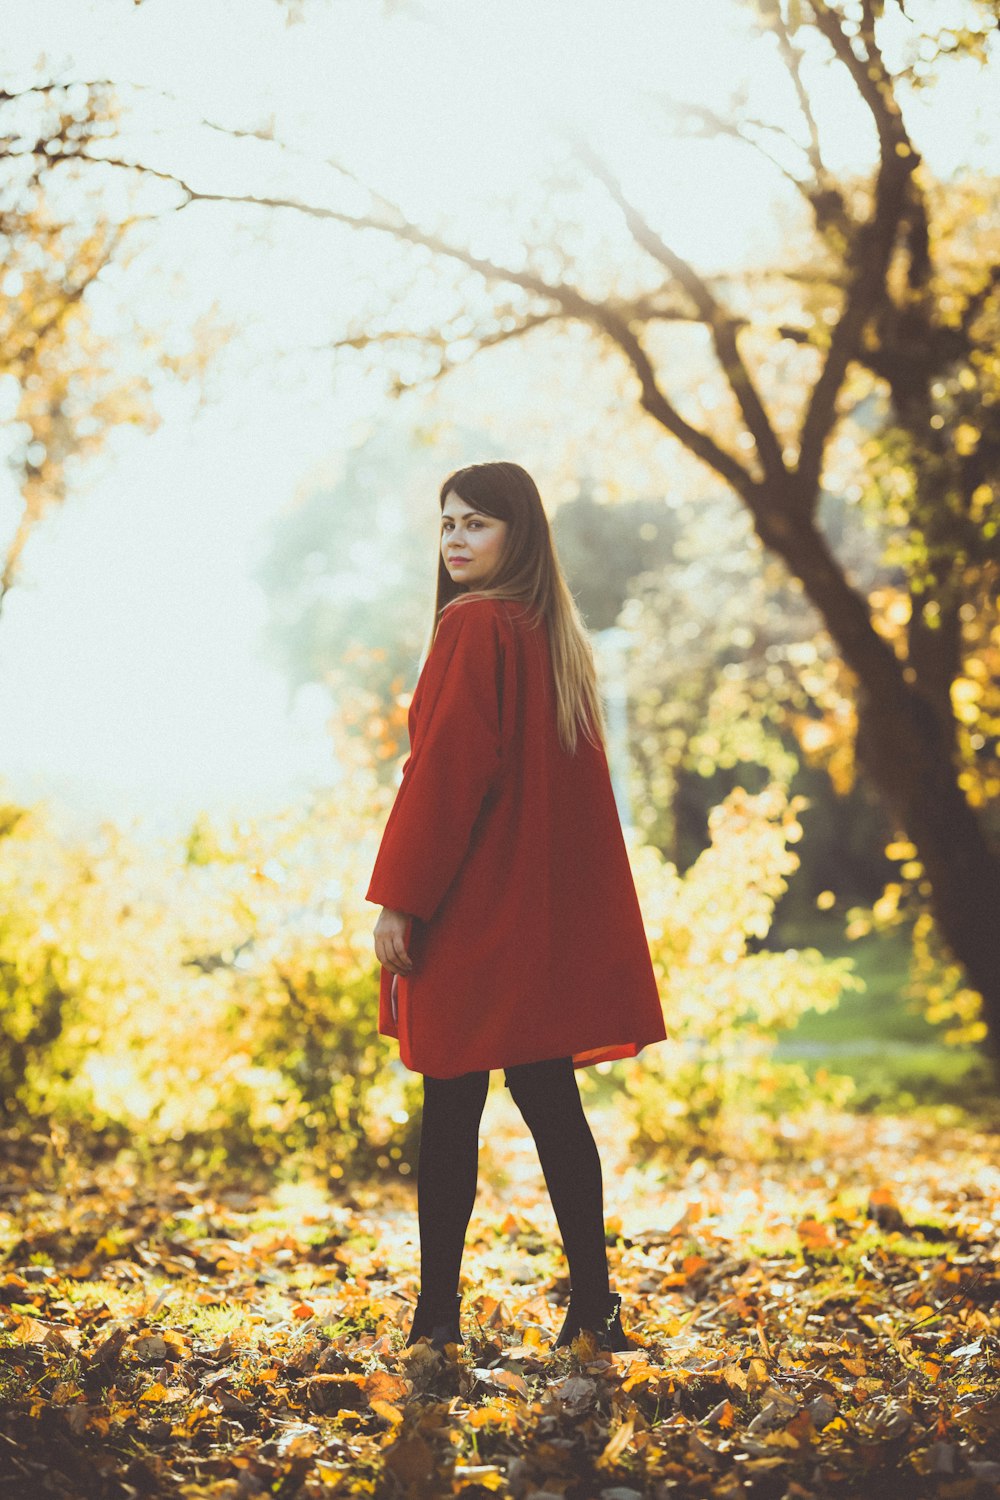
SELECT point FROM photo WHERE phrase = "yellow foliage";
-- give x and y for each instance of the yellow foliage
(725, 1004)
(936, 982)
(223, 990)
(67, 385)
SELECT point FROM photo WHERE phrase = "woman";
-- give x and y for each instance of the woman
(510, 934)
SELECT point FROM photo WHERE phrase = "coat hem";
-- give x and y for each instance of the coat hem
(583, 1057)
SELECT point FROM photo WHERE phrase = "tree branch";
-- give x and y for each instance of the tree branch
(721, 325)
(654, 401)
(648, 310)
(713, 123)
(871, 78)
(872, 249)
(792, 58)
(572, 302)
(435, 339)
(568, 299)
(18, 357)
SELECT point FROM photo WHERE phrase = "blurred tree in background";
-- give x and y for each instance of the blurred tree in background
(218, 998)
(728, 669)
(828, 599)
(65, 382)
(887, 301)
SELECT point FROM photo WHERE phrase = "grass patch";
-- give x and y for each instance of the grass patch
(881, 1039)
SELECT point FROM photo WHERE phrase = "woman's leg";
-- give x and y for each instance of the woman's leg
(447, 1176)
(548, 1097)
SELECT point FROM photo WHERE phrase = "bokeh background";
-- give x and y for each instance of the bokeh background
(724, 279)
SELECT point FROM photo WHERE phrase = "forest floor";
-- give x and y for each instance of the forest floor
(827, 1326)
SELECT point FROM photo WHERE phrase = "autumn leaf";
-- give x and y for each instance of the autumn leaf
(616, 1445)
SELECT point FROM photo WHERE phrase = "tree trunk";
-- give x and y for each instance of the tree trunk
(910, 761)
(909, 753)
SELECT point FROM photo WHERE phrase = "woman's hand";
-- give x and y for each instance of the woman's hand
(390, 944)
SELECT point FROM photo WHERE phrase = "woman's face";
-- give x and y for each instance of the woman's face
(471, 543)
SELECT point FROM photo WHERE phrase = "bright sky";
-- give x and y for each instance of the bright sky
(132, 680)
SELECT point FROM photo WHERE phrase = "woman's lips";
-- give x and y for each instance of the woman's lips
(457, 562)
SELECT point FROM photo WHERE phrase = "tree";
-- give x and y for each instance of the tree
(875, 310)
(63, 385)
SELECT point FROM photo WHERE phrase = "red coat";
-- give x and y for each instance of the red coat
(507, 853)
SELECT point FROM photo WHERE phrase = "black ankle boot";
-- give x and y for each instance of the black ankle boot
(438, 1323)
(604, 1323)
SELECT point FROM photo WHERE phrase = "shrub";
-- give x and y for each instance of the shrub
(713, 1084)
(219, 998)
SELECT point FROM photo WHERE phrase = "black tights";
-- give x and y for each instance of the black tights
(547, 1095)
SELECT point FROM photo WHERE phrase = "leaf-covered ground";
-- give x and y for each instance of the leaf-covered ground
(827, 1327)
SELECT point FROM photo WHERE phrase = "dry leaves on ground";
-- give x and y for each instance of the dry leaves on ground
(829, 1329)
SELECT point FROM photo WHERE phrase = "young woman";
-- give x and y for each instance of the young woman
(510, 934)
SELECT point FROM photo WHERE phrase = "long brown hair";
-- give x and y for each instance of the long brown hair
(529, 572)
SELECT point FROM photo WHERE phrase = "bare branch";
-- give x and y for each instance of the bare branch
(434, 338)
(659, 406)
(712, 123)
(647, 310)
(873, 247)
(570, 302)
(792, 58)
(806, 277)
(874, 242)
(287, 149)
(721, 325)
(870, 75)
(573, 302)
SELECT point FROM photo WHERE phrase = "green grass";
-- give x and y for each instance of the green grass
(881, 1011)
(879, 1037)
(905, 1246)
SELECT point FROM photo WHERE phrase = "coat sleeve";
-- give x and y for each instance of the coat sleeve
(455, 759)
